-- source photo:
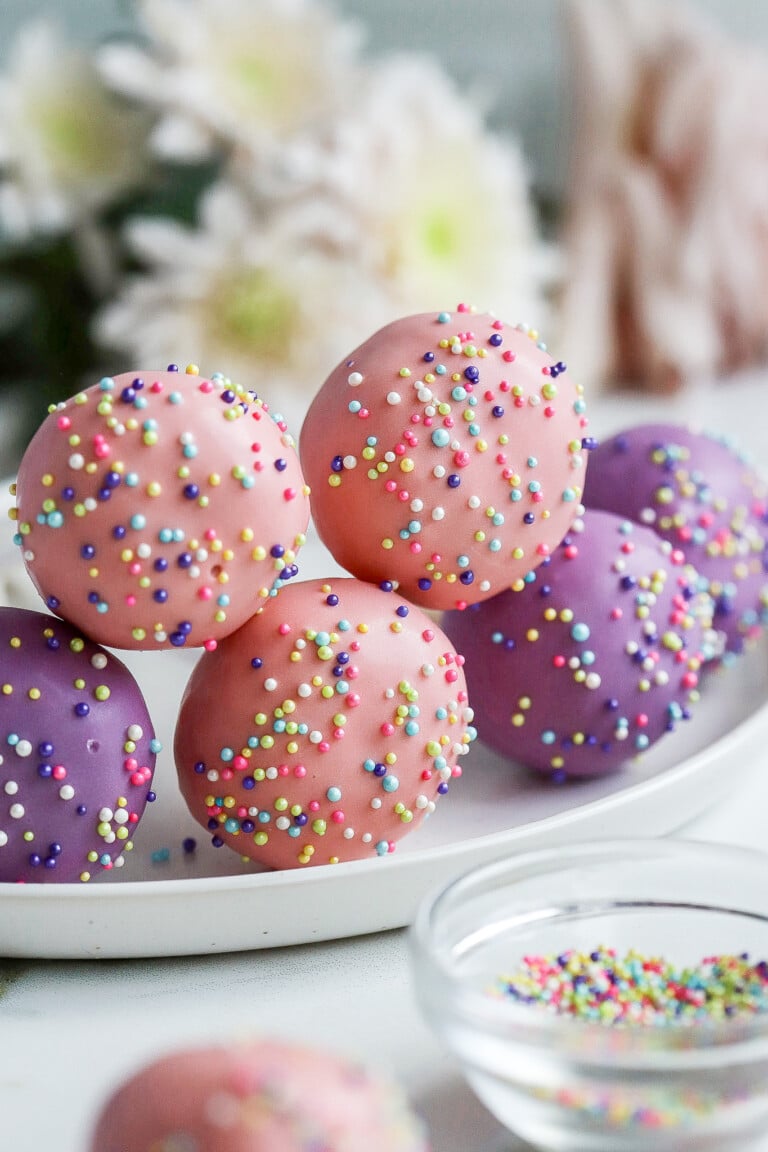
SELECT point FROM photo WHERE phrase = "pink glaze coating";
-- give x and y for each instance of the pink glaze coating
(77, 752)
(590, 662)
(160, 508)
(324, 729)
(267, 1096)
(446, 453)
(698, 491)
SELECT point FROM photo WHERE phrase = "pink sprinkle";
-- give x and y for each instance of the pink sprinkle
(387, 729)
(415, 547)
(404, 495)
(497, 324)
(505, 386)
(462, 308)
(549, 411)
(508, 356)
(451, 676)
(206, 386)
(337, 816)
(399, 449)
(299, 771)
(210, 645)
(390, 486)
(227, 774)
(131, 601)
(461, 459)
(426, 774)
(338, 733)
(428, 635)
(284, 629)
(131, 764)
(283, 769)
(558, 661)
(240, 763)
(204, 593)
(353, 699)
(135, 568)
(59, 772)
(210, 534)
(64, 423)
(363, 414)
(314, 805)
(156, 387)
(289, 494)
(323, 746)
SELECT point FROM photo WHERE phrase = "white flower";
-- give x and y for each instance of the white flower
(254, 73)
(67, 146)
(440, 207)
(258, 300)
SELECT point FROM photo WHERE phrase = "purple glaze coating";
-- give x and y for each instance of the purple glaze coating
(593, 658)
(698, 492)
(77, 752)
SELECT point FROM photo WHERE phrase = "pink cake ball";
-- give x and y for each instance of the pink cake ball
(160, 509)
(446, 454)
(697, 491)
(592, 659)
(257, 1097)
(325, 729)
(77, 752)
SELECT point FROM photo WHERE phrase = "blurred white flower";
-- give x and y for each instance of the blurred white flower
(437, 208)
(67, 145)
(256, 74)
(257, 300)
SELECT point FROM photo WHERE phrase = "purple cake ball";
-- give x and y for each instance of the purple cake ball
(697, 491)
(77, 752)
(593, 657)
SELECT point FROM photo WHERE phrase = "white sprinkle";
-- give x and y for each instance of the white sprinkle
(438, 513)
(105, 814)
(90, 504)
(270, 684)
(417, 505)
(366, 837)
(354, 379)
(66, 792)
(121, 816)
(99, 660)
(304, 690)
(135, 732)
(348, 833)
(473, 502)
(23, 748)
(144, 551)
(282, 823)
(376, 802)
(438, 471)
(11, 788)
(393, 398)
(16, 811)
(76, 461)
(315, 737)
(271, 773)
(3, 838)
(422, 801)
(350, 462)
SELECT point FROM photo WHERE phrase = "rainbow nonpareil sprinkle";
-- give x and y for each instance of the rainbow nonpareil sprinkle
(634, 989)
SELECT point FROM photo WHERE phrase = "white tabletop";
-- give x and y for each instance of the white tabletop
(70, 1030)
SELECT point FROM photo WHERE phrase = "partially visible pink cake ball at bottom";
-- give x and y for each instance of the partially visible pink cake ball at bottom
(592, 659)
(699, 492)
(257, 1097)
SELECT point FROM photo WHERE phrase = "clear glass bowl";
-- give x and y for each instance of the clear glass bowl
(566, 1083)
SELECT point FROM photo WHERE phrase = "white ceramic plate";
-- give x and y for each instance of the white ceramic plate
(167, 901)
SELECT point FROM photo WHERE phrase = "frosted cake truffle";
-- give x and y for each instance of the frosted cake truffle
(593, 659)
(257, 1097)
(160, 509)
(77, 752)
(325, 729)
(446, 453)
(697, 491)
